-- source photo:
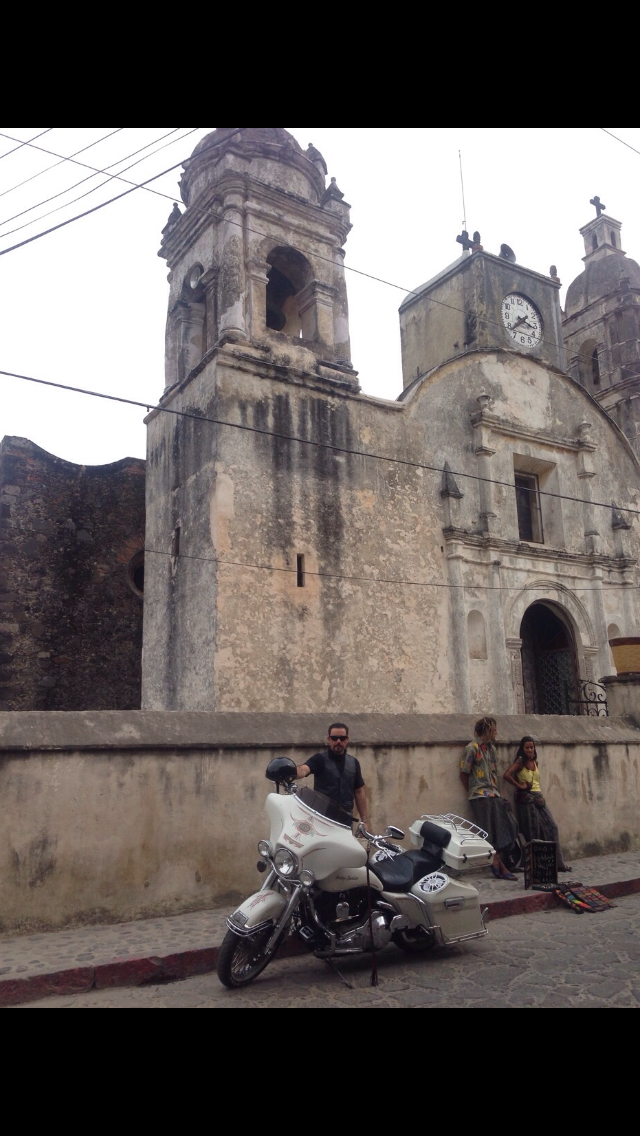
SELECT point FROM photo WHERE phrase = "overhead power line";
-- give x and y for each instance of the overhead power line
(208, 212)
(26, 143)
(103, 204)
(621, 140)
(394, 580)
(82, 181)
(54, 164)
(311, 441)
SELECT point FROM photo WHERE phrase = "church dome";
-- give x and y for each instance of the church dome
(600, 278)
(270, 146)
(250, 134)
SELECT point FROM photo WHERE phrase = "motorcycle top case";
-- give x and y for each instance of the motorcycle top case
(467, 846)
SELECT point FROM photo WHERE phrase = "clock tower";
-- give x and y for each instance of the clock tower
(479, 303)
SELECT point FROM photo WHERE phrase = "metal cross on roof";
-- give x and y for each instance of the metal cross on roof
(598, 205)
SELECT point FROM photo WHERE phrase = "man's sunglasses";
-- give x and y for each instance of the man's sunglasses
(338, 737)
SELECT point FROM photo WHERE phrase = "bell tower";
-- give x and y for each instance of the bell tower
(601, 324)
(257, 255)
(257, 335)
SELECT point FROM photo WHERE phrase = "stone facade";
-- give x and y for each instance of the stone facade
(71, 581)
(299, 577)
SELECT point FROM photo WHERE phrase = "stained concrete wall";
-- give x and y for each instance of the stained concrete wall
(112, 816)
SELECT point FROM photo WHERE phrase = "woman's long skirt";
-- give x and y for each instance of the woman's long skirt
(538, 824)
(494, 815)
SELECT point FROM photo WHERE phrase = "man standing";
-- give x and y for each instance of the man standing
(337, 774)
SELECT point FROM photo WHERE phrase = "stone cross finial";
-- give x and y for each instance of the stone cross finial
(599, 206)
(465, 241)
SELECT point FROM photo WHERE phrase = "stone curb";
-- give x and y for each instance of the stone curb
(149, 970)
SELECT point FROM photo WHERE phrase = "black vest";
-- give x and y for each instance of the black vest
(336, 783)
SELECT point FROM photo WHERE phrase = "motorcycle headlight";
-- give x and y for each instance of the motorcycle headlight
(286, 862)
(307, 878)
(265, 848)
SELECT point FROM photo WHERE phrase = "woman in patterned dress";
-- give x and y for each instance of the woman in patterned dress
(479, 775)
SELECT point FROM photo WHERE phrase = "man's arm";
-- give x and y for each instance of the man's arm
(361, 803)
(302, 771)
(464, 777)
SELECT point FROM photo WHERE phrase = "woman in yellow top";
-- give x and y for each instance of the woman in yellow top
(534, 818)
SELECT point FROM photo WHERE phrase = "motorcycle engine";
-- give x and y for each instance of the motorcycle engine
(347, 915)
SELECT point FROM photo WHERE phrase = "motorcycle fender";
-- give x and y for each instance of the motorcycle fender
(263, 905)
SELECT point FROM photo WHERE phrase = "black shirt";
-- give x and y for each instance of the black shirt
(331, 777)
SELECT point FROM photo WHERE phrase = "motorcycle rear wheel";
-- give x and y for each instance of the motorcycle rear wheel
(243, 957)
(415, 941)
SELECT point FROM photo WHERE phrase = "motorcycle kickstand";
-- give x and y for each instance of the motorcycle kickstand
(334, 968)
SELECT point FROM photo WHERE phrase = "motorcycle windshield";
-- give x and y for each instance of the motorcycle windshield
(324, 806)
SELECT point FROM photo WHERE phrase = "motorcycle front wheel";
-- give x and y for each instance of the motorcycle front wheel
(243, 957)
(414, 941)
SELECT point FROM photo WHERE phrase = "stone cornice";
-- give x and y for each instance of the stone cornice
(516, 430)
(535, 551)
(209, 208)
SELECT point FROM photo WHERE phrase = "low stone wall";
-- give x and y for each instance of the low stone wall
(109, 816)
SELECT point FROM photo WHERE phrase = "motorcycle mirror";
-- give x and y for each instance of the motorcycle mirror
(396, 833)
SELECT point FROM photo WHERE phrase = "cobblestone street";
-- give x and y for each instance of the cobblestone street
(549, 959)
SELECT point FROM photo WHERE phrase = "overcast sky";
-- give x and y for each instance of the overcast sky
(86, 305)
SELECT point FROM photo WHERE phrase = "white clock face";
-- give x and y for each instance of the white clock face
(522, 321)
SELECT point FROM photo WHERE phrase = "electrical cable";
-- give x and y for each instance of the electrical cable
(75, 185)
(27, 143)
(255, 232)
(396, 581)
(621, 140)
(378, 579)
(103, 204)
(312, 442)
(53, 166)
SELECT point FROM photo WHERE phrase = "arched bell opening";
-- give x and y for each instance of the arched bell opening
(288, 275)
(549, 660)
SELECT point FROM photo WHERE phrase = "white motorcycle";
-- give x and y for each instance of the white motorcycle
(342, 899)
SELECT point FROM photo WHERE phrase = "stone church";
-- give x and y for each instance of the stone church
(471, 546)
(292, 563)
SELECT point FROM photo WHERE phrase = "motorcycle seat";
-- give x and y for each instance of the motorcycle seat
(402, 872)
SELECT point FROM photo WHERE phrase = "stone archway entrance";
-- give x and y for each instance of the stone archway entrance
(549, 664)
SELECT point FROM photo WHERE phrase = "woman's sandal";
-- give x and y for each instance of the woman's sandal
(499, 876)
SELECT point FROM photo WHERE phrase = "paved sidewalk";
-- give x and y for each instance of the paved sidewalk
(155, 950)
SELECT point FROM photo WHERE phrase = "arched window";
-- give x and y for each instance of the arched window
(288, 274)
(589, 364)
(595, 368)
(613, 239)
(594, 242)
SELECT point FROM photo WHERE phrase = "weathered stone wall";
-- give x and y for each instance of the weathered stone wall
(70, 610)
(112, 816)
(376, 624)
